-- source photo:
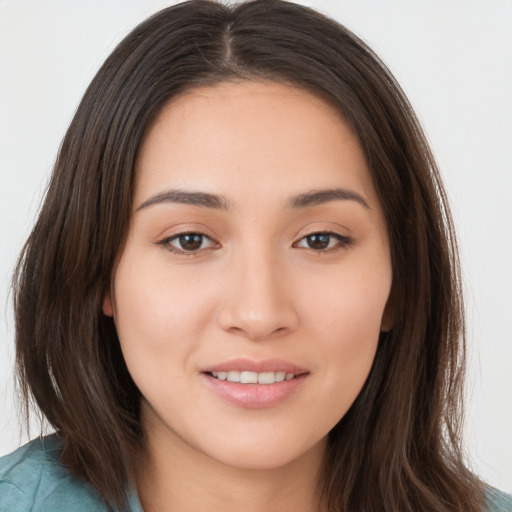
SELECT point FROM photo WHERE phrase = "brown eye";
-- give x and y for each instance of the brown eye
(190, 241)
(187, 244)
(323, 242)
(318, 241)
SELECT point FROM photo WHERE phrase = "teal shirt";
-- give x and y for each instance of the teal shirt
(33, 480)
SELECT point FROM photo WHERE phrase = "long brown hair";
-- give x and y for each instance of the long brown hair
(398, 447)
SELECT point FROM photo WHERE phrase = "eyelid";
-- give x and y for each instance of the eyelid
(166, 242)
(343, 241)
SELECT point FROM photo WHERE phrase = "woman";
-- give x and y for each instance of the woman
(242, 288)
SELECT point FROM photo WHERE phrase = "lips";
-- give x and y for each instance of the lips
(254, 384)
(247, 377)
(250, 365)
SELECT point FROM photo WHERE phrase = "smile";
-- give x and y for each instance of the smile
(253, 384)
(248, 377)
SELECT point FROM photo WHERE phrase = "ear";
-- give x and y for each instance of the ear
(107, 307)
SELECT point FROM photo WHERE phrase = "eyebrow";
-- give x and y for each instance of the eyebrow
(316, 197)
(201, 199)
(206, 200)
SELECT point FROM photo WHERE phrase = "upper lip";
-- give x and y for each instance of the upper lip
(250, 365)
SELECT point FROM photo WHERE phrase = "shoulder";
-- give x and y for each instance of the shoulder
(497, 501)
(33, 479)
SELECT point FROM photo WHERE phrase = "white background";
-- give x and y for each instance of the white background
(454, 60)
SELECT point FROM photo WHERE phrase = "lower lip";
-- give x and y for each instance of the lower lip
(254, 396)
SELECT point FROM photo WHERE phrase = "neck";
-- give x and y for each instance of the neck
(176, 477)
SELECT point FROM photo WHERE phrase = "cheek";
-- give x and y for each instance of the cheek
(347, 321)
(350, 305)
(157, 317)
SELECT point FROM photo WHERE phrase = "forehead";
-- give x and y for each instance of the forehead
(250, 136)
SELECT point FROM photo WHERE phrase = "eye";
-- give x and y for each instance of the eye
(324, 241)
(187, 243)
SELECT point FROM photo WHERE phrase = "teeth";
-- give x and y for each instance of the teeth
(248, 377)
(245, 377)
(233, 376)
(266, 378)
(280, 376)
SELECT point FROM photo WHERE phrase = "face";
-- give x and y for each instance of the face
(252, 288)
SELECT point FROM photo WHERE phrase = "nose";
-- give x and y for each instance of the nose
(258, 300)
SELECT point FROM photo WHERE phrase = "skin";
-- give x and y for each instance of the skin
(256, 288)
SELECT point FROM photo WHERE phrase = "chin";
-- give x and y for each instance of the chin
(258, 455)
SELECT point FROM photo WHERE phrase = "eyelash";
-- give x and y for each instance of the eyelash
(343, 242)
(166, 242)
